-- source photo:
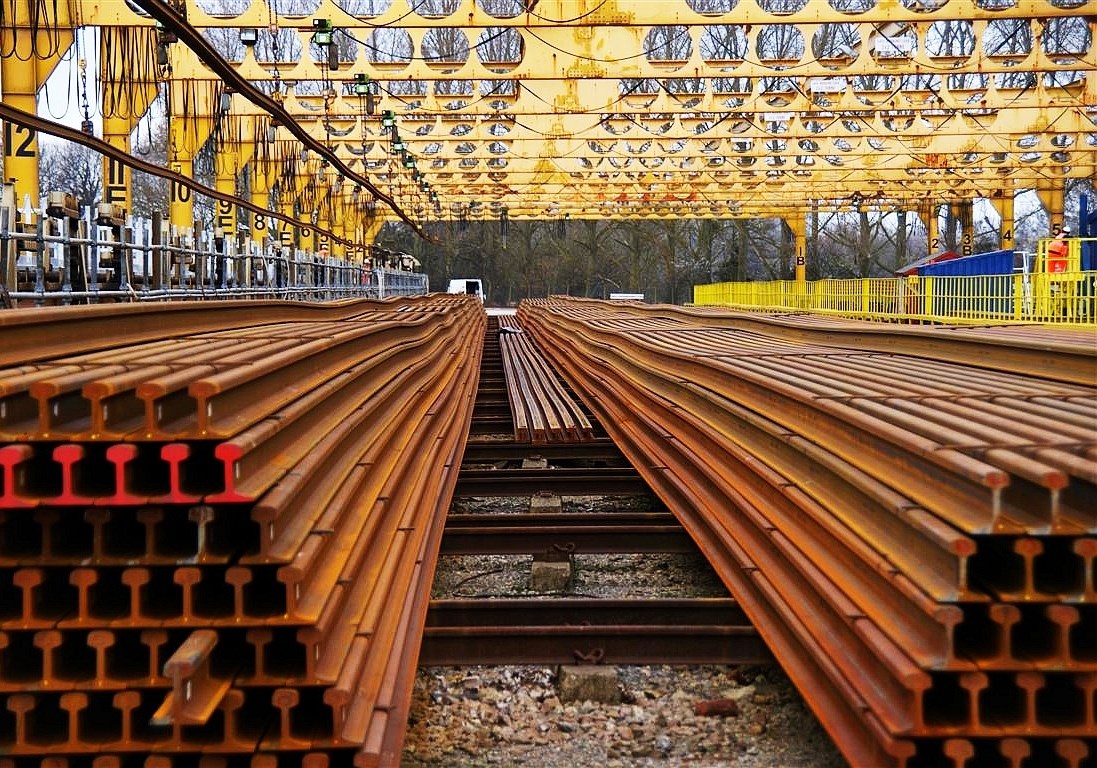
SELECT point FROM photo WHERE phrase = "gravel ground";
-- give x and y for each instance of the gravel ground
(605, 576)
(511, 716)
(506, 716)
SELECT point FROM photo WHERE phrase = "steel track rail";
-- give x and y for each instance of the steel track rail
(491, 416)
(31, 335)
(576, 533)
(573, 481)
(601, 451)
(1065, 355)
(571, 630)
(896, 591)
(242, 568)
(543, 412)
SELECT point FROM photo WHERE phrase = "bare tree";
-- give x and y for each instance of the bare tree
(150, 193)
(74, 168)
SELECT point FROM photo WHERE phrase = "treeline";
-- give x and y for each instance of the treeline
(664, 259)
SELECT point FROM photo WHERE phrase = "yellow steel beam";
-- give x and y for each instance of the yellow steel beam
(593, 97)
(190, 124)
(31, 45)
(574, 14)
(1017, 129)
(645, 108)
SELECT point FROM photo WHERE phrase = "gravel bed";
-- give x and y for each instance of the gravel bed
(645, 576)
(603, 576)
(511, 715)
(622, 503)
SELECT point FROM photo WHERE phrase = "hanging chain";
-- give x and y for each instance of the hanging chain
(86, 126)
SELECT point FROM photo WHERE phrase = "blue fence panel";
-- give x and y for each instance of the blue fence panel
(989, 263)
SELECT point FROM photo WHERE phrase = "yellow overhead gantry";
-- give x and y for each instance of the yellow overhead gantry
(611, 109)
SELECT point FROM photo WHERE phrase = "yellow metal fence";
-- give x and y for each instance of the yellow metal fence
(1063, 298)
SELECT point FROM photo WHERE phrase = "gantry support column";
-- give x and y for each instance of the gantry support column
(296, 239)
(261, 225)
(22, 73)
(224, 221)
(326, 197)
(117, 188)
(287, 237)
(120, 116)
(344, 222)
(305, 198)
(964, 211)
(928, 212)
(352, 219)
(371, 225)
(798, 225)
(20, 79)
(186, 134)
(180, 160)
(1004, 206)
(1051, 194)
(262, 179)
(337, 209)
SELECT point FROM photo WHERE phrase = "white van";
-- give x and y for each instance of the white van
(469, 285)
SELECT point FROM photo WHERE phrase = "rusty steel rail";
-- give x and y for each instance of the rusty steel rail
(563, 481)
(1065, 355)
(576, 630)
(914, 538)
(578, 533)
(209, 528)
(542, 410)
(600, 452)
(51, 332)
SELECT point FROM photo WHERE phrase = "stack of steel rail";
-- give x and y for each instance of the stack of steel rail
(218, 528)
(913, 536)
(542, 409)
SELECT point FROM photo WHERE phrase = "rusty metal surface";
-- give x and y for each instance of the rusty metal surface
(573, 630)
(1065, 355)
(600, 452)
(580, 532)
(913, 536)
(542, 409)
(563, 481)
(203, 523)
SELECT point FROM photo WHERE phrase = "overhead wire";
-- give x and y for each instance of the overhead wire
(171, 18)
(41, 24)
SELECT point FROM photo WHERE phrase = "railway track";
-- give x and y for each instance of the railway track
(545, 630)
(914, 537)
(574, 630)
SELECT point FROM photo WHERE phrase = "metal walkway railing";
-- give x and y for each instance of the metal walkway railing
(1060, 298)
